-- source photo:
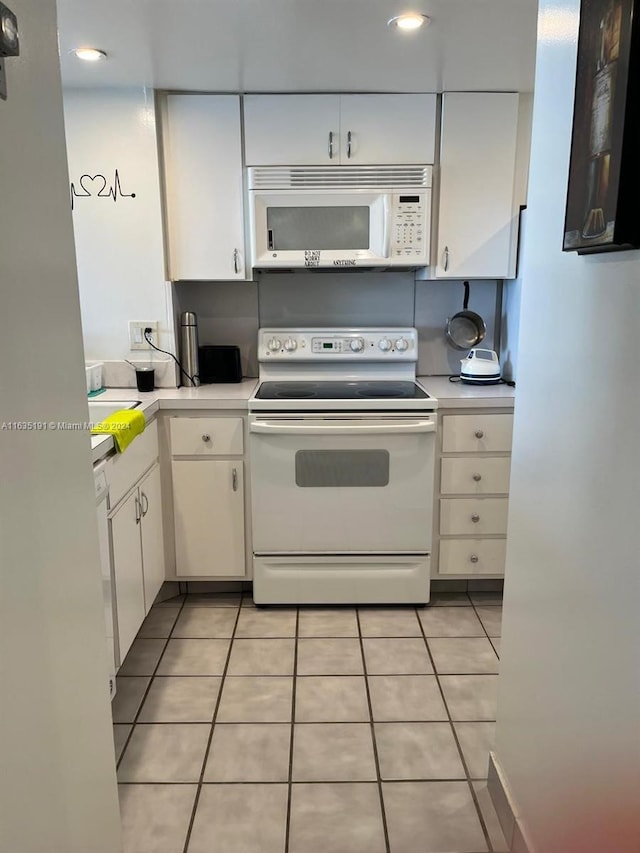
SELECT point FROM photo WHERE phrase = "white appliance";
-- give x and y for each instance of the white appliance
(339, 216)
(342, 462)
(480, 367)
(101, 486)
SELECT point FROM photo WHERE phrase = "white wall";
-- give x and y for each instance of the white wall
(57, 768)
(568, 732)
(119, 244)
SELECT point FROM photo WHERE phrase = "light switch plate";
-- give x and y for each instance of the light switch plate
(136, 334)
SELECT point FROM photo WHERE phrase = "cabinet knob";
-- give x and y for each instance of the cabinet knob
(475, 518)
(477, 477)
(479, 433)
(206, 437)
(473, 558)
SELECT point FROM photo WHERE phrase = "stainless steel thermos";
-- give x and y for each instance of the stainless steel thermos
(189, 348)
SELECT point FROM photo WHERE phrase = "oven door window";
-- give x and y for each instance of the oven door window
(342, 468)
(292, 229)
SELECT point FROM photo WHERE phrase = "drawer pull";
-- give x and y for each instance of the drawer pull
(479, 433)
(473, 558)
(234, 479)
(475, 518)
(477, 477)
(206, 437)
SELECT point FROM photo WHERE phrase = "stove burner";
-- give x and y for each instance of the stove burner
(381, 391)
(295, 394)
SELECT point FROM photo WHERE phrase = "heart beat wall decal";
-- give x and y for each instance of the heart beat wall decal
(87, 188)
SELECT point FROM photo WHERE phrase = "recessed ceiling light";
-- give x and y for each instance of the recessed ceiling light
(90, 54)
(409, 21)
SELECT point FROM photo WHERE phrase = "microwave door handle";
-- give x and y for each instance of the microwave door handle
(279, 428)
(386, 236)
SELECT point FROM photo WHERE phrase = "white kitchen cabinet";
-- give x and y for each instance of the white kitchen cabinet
(472, 488)
(207, 472)
(137, 547)
(153, 562)
(208, 509)
(477, 215)
(202, 147)
(127, 563)
(322, 130)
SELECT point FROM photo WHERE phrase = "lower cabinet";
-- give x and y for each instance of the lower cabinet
(138, 556)
(207, 472)
(472, 486)
(208, 510)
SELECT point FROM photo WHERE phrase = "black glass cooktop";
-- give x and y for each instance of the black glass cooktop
(360, 390)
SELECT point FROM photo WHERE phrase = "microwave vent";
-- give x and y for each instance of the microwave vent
(338, 177)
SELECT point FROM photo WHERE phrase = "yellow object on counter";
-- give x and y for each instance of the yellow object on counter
(124, 425)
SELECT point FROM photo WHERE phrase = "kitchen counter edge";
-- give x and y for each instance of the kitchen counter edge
(459, 395)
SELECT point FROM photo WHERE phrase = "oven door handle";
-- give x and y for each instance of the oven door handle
(345, 428)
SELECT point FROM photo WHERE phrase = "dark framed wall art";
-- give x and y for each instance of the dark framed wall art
(603, 195)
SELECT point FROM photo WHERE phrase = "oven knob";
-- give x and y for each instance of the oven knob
(402, 344)
(274, 344)
(357, 345)
(385, 345)
(290, 345)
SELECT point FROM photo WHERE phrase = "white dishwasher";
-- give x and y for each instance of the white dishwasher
(101, 485)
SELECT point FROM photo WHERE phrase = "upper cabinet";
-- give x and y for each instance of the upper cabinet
(202, 147)
(477, 215)
(324, 130)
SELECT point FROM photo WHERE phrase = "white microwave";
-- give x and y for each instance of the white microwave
(339, 216)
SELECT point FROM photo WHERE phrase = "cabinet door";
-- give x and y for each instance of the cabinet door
(387, 129)
(203, 163)
(152, 539)
(477, 224)
(208, 507)
(292, 130)
(127, 565)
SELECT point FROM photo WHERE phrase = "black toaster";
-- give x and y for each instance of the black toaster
(219, 364)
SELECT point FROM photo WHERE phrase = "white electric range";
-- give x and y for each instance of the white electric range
(342, 442)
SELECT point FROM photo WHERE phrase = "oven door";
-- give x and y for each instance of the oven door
(342, 484)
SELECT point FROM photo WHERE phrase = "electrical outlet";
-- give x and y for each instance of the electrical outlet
(136, 334)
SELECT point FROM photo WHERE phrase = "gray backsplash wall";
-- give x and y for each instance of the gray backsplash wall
(232, 312)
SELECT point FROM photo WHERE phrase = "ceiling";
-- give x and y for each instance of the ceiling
(300, 45)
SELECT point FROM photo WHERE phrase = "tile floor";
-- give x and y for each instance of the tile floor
(309, 730)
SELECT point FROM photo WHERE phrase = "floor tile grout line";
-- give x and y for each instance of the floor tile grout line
(376, 757)
(287, 828)
(205, 759)
(479, 618)
(474, 798)
(148, 687)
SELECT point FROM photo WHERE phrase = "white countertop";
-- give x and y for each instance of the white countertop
(232, 395)
(459, 395)
(450, 395)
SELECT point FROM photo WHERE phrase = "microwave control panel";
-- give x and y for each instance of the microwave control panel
(409, 236)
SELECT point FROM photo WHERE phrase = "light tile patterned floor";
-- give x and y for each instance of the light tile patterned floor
(309, 730)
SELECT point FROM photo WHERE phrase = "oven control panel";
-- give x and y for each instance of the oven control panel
(396, 344)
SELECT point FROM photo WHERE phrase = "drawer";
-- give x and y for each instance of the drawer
(477, 516)
(206, 436)
(472, 433)
(472, 556)
(479, 476)
(125, 469)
